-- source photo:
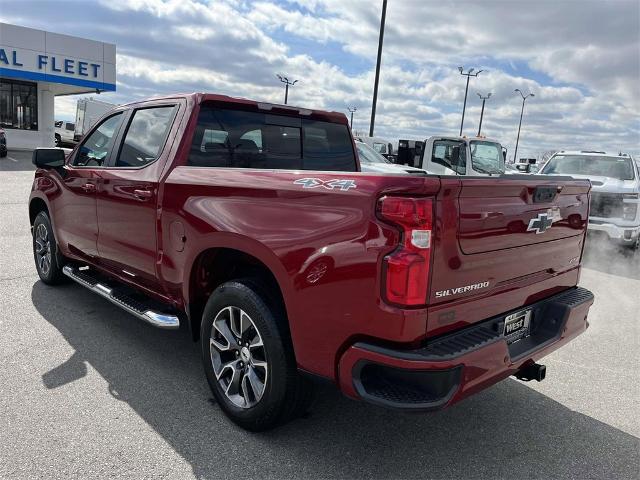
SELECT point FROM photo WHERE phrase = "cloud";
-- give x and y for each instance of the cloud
(580, 58)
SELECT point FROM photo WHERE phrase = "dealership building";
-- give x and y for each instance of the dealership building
(35, 67)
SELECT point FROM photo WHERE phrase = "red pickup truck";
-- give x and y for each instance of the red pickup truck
(251, 224)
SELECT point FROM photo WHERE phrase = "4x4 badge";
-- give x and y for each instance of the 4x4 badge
(339, 183)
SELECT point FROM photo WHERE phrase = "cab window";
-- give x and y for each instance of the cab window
(146, 135)
(245, 139)
(450, 154)
(94, 151)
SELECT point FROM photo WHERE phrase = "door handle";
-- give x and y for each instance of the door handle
(89, 187)
(143, 194)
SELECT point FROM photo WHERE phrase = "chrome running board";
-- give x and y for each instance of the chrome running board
(124, 301)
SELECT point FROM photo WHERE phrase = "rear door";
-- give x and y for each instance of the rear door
(127, 198)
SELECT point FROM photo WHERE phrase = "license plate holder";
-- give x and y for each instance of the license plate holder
(516, 325)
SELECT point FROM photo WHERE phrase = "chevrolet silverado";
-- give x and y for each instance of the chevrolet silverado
(251, 225)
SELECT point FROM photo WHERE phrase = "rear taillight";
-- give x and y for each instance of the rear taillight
(406, 270)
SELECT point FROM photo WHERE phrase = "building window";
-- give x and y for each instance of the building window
(18, 105)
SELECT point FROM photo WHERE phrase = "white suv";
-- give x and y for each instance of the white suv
(615, 195)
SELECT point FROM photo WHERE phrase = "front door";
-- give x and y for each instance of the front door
(76, 223)
(127, 199)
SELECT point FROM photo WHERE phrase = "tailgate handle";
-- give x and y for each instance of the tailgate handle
(546, 193)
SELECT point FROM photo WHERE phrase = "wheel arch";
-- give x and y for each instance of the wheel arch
(37, 205)
(216, 265)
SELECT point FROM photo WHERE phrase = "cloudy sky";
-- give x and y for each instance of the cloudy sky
(580, 58)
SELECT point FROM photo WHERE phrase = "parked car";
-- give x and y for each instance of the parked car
(252, 224)
(372, 161)
(64, 132)
(3, 143)
(615, 196)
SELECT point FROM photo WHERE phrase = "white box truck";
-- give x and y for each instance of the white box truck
(88, 111)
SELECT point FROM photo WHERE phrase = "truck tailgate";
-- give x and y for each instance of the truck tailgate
(512, 213)
(503, 242)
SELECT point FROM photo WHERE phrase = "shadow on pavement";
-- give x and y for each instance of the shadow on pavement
(508, 431)
(607, 257)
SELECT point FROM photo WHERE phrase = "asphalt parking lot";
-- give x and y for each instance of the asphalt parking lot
(87, 391)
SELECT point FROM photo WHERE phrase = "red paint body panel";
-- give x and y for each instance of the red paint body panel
(324, 247)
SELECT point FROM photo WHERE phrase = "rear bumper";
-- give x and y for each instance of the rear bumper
(624, 234)
(452, 367)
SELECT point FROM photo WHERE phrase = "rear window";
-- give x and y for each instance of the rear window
(239, 139)
(619, 168)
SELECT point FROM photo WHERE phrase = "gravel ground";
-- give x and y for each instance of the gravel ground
(87, 391)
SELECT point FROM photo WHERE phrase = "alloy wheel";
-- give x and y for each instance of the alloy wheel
(238, 357)
(43, 249)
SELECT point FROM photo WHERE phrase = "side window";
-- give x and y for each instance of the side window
(254, 136)
(95, 149)
(450, 154)
(210, 137)
(379, 147)
(145, 136)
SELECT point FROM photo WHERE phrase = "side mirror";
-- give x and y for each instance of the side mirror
(504, 154)
(48, 157)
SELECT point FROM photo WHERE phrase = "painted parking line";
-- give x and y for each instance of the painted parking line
(12, 159)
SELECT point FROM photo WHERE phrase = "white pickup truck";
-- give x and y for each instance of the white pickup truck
(475, 156)
(63, 134)
(615, 192)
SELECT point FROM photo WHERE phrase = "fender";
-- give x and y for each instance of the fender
(242, 244)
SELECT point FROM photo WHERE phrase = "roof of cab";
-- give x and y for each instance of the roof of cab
(199, 97)
(461, 138)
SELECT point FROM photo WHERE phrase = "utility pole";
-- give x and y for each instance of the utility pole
(524, 98)
(482, 111)
(468, 74)
(286, 82)
(375, 85)
(351, 110)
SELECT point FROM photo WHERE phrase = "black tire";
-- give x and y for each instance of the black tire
(286, 393)
(58, 139)
(50, 269)
(3, 153)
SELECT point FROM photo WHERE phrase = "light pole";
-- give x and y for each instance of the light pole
(482, 111)
(351, 110)
(286, 82)
(375, 85)
(524, 98)
(468, 74)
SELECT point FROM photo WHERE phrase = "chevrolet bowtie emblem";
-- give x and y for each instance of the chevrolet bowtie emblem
(541, 223)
